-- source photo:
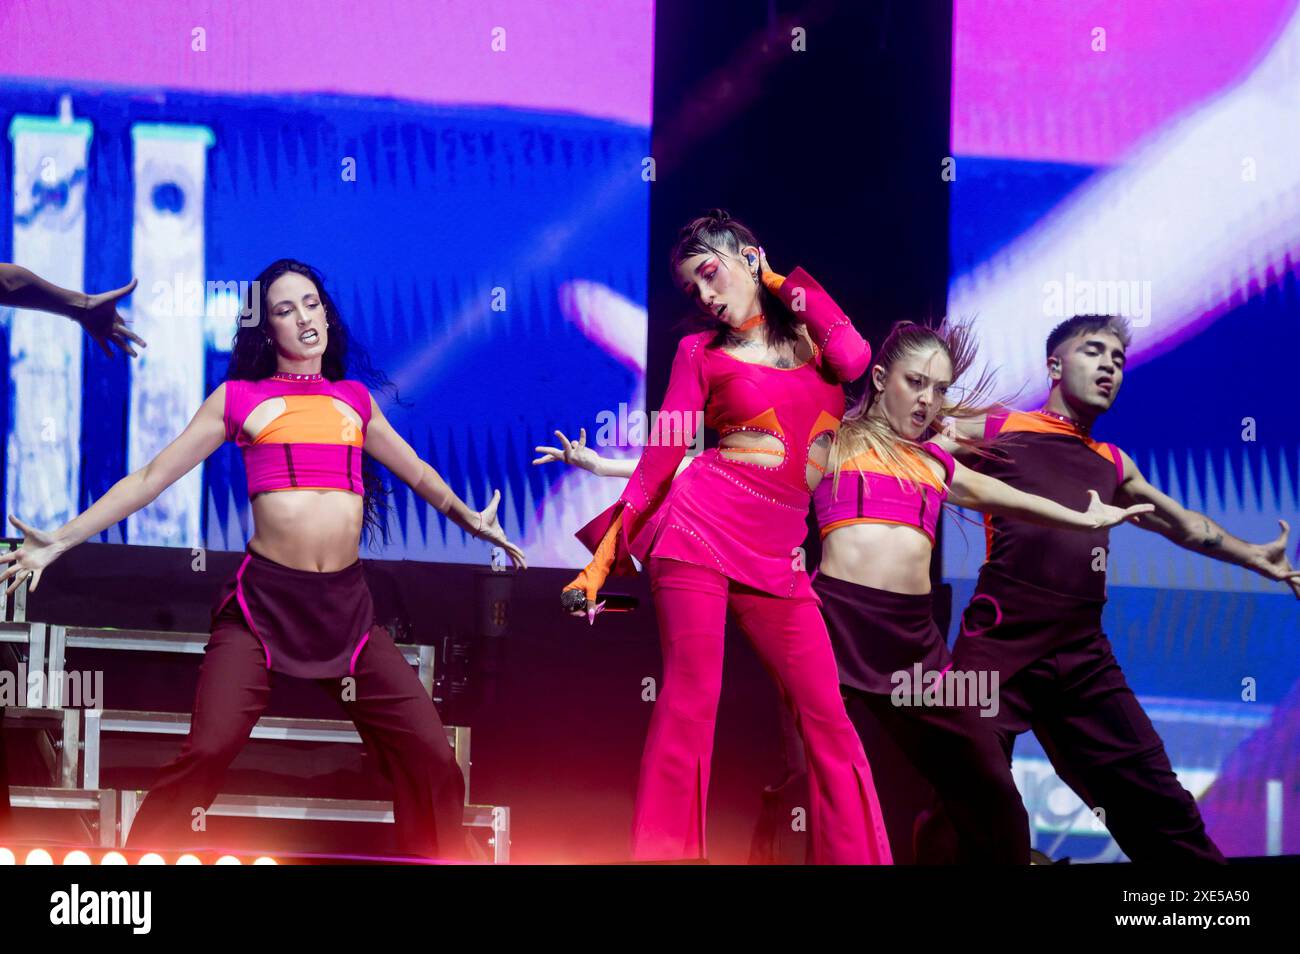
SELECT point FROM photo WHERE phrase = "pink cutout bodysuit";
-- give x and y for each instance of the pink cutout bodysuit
(724, 537)
(745, 520)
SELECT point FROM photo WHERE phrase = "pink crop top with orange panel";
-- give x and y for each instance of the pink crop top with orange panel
(869, 492)
(312, 444)
(744, 518)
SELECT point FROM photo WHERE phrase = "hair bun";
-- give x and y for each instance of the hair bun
(721, 216)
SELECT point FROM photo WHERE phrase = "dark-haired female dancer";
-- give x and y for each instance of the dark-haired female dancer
(766, 373)
(877, 515)
(298, 603)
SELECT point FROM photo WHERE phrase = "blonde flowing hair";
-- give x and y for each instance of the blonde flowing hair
(862, 432)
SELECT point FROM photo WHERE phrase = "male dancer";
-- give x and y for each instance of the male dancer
(20, 288)
(1035, 617)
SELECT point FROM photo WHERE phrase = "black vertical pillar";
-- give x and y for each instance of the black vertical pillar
(823, 126)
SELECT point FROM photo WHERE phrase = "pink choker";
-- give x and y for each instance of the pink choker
(290, 376)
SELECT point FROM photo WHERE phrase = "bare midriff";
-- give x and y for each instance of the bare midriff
(314, 530)
(767, 450)
(885, 556)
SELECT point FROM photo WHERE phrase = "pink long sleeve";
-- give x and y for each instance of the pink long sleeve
(666, 442)
(842, 348)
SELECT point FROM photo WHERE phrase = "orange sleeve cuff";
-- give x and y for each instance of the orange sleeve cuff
(593, 576)
(772, 281)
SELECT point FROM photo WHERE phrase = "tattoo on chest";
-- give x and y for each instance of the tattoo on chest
(778, 359)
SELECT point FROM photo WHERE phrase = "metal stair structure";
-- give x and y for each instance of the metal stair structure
(71, 738)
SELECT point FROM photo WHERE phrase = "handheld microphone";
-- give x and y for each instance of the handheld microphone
(575, 601)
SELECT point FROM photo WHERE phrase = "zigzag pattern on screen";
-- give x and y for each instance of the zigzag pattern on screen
(1246, 492)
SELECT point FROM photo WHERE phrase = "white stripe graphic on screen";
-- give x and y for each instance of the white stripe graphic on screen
(49, 237)
(1176, 213)
(1273, 814)
(167, 257)
(223, 300)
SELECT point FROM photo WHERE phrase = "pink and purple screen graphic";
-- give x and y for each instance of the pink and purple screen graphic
(583, 56)
(1028, 83)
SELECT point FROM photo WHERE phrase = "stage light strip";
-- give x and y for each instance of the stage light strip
(77, 856)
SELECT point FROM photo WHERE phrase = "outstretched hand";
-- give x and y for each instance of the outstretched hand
(28, 561)
(1273, 562)
(575, 453)
(104, 324)
(1105, 515)
(491, 531)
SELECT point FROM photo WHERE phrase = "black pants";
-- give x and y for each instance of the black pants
(878, 636)
(394, 715)
(1103, 745)
(953, 748)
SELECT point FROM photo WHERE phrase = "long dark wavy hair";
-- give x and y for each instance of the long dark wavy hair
(717, 232)
(252, 358)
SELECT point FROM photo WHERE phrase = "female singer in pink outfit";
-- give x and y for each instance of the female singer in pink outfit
(767, 375)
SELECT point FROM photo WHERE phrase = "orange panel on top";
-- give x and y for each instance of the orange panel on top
(869, 462)
(825, 422)
(767, 421)
(1031, 422)
(311, 419)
